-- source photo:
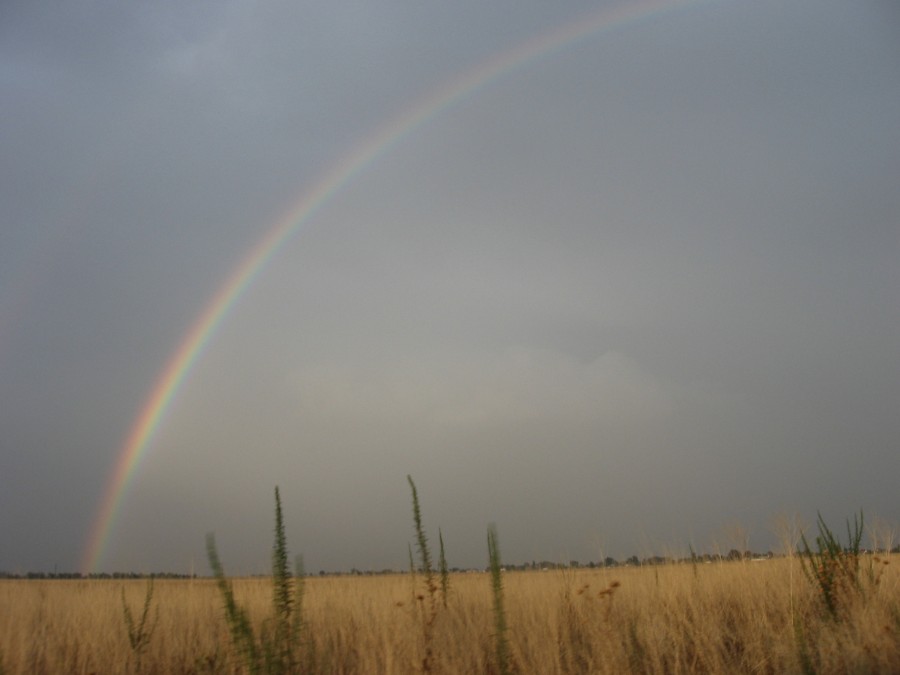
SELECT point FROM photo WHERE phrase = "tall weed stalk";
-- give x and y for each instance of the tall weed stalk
(140, 632)
(833, 569)
(445, 573)
(429, 613)
(277, 648)
(242, 635)
(281, 647)
(501, 641)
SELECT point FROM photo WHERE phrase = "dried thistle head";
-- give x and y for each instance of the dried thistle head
(609, 590)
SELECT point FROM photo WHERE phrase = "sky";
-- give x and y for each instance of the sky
(635, 293)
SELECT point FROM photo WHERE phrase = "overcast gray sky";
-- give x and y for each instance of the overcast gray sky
(636, 291)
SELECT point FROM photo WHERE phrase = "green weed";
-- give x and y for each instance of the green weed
(277, 649)
(501, 641)
(445, 573)
(833, 569)
(429, 614)
(140, 632)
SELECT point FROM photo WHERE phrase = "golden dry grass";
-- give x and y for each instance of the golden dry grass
(730, 617)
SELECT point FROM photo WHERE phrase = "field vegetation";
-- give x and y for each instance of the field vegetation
(829, 607)
(717, 618)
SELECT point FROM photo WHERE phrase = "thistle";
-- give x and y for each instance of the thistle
(140, 632)
(832, 568)
(275, 650)
(501, 642)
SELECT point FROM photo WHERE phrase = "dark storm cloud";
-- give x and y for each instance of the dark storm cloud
(641, 288)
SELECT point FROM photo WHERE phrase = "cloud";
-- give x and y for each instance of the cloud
(520, 386)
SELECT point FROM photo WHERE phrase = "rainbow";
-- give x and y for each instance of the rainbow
(205, 326)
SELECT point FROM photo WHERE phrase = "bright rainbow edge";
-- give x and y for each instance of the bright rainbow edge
(200, 334)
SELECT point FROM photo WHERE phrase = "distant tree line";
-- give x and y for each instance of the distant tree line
(534, 565)
(95, 575)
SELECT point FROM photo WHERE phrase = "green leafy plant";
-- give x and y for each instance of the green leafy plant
(237, 618)
(286, 602)
(422, 542)
(501, 641)
(276, 650)
(429, 613)
(833, 569)
(140, 632)
(412, 579)
(445, 573)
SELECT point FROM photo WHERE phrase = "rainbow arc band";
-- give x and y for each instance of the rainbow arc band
(208, 322)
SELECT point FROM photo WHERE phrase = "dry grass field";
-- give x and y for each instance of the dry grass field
(724, 617)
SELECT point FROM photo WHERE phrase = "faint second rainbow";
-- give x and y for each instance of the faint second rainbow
(205, 326)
